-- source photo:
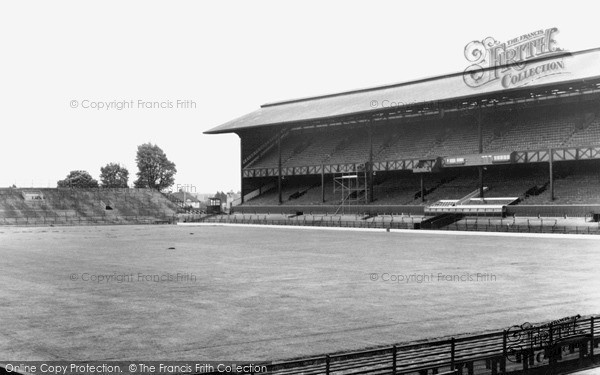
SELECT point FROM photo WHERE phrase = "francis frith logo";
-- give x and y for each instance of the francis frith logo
(510, 62)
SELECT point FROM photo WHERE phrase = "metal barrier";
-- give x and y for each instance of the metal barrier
(87, 220)
(329, 208)
(552, 210)
(567, 343)
(404, 223)
(559, 229)
(331, 222)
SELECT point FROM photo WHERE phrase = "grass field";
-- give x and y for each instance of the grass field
(265, 293)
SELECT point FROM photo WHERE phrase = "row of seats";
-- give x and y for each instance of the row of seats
(78, 220)
(582, 187)
(426, 139)
(575, 183)
(84, 204)
(297, 194)
(589, 134)
(530, 133)
(331, 220)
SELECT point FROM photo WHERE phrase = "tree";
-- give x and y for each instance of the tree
(155, 171)
(114, 176)
(78, 179)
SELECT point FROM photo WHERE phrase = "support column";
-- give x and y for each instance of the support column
(480, 140)
(370, 169)
(592, 343)
(322, 184)
(550, 172)
(279, 168)
(241, 170)
(481, 192)
(480, 130)
(422, 188)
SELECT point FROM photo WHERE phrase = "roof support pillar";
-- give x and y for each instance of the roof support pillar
(279, 177)
(551, 173)
(322, 183)
(480, 129)
(480, 139)
(369, 170)
(481, 192)
(241, 170)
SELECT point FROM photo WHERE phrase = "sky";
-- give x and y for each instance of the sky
(62, 60)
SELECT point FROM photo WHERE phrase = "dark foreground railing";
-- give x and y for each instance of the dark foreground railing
(564, 229)
(555, 347)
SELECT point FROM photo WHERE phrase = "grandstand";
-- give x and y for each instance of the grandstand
(65, 206)
(456, 158)
(536, 145)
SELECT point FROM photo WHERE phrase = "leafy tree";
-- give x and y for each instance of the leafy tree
(78, 179)
(155, 171)
(114, 176)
